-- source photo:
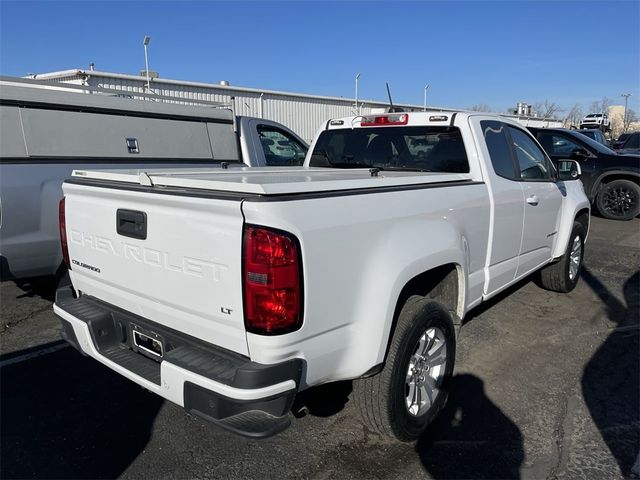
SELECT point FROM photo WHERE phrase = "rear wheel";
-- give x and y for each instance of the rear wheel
(619, 200)
(404, 398)
(562, 276)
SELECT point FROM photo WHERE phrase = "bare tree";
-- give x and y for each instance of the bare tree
(480, 107)
(574, 116)
(601, 106)
(546, 109)
(631, 117)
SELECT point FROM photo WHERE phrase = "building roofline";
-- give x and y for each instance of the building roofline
(143, 80)
(187, 83)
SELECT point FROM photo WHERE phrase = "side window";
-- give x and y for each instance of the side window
(280, 148)
(499, 149)
(558, 145)
(531, 159)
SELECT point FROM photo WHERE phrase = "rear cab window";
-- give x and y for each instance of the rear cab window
(420, 148)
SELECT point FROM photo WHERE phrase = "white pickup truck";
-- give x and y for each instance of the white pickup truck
(229, 292)
(45, 134)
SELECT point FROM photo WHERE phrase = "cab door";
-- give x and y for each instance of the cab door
(507, 203)
(543, 201)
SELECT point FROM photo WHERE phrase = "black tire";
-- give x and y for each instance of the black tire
(382, 399)
(558, 277)
(619, 200)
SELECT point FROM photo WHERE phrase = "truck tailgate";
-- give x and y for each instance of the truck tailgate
(183, 273)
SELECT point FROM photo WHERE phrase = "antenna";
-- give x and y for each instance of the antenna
(392, 109)
(357, 109)
(389, 93)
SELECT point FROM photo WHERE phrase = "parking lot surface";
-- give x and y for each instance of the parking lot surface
(546, 386)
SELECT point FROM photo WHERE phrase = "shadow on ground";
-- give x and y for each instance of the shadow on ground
(472, 437)
(85, 422)
(323, 401)
(43, 287)
(499, 298)
(610, 382)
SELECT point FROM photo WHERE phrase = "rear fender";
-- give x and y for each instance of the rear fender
(409, 250)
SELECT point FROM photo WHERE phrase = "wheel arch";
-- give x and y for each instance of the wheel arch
(576, 207)
(583, 217)
(610, 176)
(444, 284)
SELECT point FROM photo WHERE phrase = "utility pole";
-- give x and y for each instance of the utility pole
(426, 87)
(145, 42)
(624, 121)
(357, 107)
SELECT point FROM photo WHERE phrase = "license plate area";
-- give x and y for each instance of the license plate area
(147, 343)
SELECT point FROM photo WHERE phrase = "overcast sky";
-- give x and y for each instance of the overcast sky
(493, 53)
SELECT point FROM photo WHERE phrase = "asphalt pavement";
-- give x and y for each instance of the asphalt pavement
(546, 386)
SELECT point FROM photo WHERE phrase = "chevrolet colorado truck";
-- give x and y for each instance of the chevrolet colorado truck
(45, 134)
(228, 292)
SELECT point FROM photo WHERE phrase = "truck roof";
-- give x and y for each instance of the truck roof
(444, 118)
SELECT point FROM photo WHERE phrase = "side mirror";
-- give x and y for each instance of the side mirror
(579, 153)
(569, 170)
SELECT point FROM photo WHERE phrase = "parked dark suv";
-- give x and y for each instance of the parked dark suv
(611, 181)
(631, 144)
(620, 141)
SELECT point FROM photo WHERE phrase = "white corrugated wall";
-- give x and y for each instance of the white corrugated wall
(302, 114)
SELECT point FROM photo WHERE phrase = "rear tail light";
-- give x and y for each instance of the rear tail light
(272, 278)
(382, 120)
(62, 222)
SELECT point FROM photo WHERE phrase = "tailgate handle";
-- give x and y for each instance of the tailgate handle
(131, 223)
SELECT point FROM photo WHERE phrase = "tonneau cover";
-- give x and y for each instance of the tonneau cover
(270, 180)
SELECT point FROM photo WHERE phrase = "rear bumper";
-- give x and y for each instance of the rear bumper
(225, 388)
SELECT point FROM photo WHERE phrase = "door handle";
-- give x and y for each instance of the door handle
(532, 200)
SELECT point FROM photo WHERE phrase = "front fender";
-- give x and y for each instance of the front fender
(573, 203)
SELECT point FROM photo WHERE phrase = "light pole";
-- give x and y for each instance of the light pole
(426, 87)
(357, 108)
(624, 120)
(145, 42)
